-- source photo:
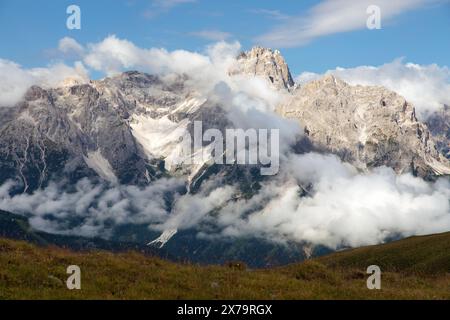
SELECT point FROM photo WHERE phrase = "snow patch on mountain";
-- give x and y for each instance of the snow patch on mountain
(158, 136)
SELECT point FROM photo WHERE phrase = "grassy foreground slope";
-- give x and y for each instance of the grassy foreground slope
(413, 268)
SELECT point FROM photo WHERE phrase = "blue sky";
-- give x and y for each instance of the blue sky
(30, 30)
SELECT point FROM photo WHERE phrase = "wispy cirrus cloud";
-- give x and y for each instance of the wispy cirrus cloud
(213, 35)
(170, 3)
(272, 14)
(162, 6)
(334, 16)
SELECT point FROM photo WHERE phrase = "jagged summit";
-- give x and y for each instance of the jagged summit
(267, 63)
(71, 81)
(328, 82)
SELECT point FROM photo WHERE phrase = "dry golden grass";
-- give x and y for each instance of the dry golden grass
(30, 272)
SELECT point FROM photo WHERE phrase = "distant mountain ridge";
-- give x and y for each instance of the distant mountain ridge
(366, 126)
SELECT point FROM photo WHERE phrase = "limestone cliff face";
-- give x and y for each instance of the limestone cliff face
(123, 129)
(367, 126)
(439, 124)
(85, 130)
(265, 63)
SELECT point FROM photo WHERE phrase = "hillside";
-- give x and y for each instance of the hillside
(186, 247)
(414, 268)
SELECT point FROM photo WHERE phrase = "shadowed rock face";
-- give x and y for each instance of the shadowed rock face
(439, 124)
(83, 130)
(118, 129)
(367, 126)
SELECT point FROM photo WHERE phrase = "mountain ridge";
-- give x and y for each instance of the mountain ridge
(125, 130)
(41, 120)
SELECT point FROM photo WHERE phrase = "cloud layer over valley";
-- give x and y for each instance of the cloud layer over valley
(316, 199)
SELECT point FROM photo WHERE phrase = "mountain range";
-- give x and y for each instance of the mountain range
(125, 130)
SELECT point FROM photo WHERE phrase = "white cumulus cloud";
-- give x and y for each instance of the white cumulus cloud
(70, 46)
(15, 80)
(341, 207)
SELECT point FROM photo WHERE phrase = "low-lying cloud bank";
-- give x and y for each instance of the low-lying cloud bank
(426, 86)
(91, 210)
(316, 198)
(343, 207)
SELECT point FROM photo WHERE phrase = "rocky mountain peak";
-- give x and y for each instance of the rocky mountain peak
(71, 81)
(328, 83)
(367, 126)
(266, 63)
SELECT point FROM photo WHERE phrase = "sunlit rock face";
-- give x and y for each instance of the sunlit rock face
(265, 63)
(367, 126)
